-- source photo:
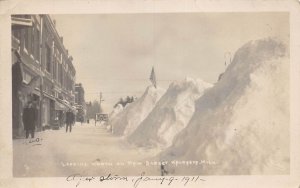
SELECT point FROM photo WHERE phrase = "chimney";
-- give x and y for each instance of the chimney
(62, 39)
(54, 23)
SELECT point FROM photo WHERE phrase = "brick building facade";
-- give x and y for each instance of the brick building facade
(42, 71)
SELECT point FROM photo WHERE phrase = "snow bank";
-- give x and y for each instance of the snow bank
(127, 121)
(119, 108)
(242, 123)
(170, 115)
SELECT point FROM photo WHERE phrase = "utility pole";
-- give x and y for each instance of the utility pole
(100, 100)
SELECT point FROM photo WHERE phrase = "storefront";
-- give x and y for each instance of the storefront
(23, 91)
(60, 111)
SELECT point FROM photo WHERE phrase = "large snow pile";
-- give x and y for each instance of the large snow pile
(242, 123)
(170, 115)
(134, 113)
(119, 108)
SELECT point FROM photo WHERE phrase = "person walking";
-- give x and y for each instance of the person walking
(81, 120)
(69, 120)
(61, 119)
(29, 119)
(73, 118)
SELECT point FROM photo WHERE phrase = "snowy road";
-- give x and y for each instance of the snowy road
(88, 150)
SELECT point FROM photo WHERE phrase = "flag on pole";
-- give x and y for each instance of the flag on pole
(153, 78)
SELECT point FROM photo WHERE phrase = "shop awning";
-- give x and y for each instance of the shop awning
(36, 92)
(49, 96)
(63, 105)
(59, 106)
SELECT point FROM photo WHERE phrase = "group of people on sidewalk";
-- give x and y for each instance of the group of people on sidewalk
(30, 118)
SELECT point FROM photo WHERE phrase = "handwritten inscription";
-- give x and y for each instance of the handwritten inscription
(79, 178)
(169, 180)
(136, 181)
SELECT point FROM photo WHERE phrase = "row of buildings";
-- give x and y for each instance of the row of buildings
(42, 72)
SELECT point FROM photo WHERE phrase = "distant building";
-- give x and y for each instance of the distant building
(42, 71)
(80, 103)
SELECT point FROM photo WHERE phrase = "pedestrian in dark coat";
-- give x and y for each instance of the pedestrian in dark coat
(29, 119)
(69, 120)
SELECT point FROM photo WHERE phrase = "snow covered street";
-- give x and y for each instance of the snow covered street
(191, 121)
(88, 150)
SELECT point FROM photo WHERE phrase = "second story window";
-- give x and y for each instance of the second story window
(31, 42)
(61, 74)
(54, 69)
(16, 33)
(27, 38)
(37, 45)
(48, 58)
(27, 34)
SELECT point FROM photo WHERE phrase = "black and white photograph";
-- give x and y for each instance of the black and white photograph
(188, 93)
(151, 98)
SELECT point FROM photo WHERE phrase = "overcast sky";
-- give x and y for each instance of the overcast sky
(114, 53)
